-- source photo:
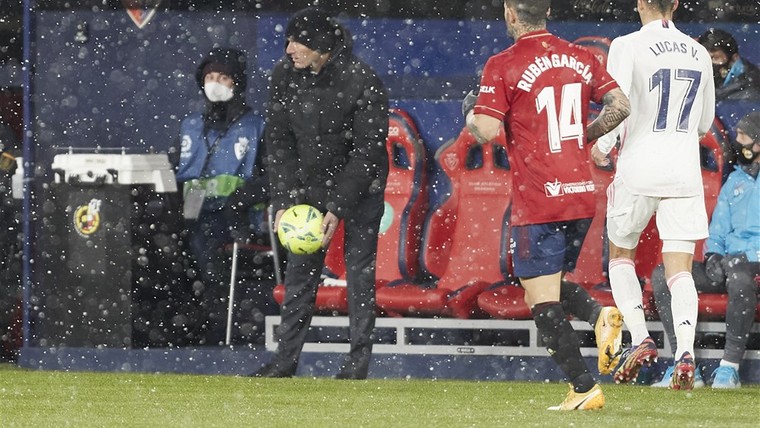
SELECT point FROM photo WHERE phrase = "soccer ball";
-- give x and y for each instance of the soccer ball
(300, 229)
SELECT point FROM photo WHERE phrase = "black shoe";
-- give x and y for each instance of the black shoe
(271, 370)
(350, 376)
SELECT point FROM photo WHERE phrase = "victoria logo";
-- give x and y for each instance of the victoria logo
(553, 189)
(141, 11)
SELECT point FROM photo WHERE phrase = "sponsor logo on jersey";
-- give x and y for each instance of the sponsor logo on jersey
(553, 189)
(487, 89)
(87, 218)
(557, 188)
(141, 11)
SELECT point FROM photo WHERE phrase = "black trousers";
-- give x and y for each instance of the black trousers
(302, 276)
(742, 291)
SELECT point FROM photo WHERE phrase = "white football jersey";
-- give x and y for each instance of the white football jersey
(668, 77)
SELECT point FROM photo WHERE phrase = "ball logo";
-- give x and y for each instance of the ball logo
(87, 218)
(300, 229)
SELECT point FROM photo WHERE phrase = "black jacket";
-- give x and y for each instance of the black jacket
(744, 87)
(326, 133)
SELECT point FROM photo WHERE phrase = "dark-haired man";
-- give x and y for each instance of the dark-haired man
(540, 89)
(735, 77)
(668, 77)
(327, 122)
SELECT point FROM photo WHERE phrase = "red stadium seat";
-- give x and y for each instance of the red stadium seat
(406, 202)
(398, 244)
(600, 46)
(465, 240)
(712, 306)
(505, 301)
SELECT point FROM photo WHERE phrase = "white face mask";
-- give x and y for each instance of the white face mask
(216, 92)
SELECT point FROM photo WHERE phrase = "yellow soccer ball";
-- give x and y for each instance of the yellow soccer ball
(300, 229)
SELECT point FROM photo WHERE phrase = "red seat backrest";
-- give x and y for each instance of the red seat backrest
(598, 45)
(591, 267)
(714, 145)
(481, 185)
(406, 201)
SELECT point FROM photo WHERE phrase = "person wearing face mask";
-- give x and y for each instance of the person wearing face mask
(735, 77)
(732, 256)
(225, 183)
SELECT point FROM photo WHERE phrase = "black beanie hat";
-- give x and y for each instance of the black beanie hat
(715, 38)
(750, 124)
(231, 62)
(314, 28)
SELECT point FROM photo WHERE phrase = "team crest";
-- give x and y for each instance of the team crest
(186, 145)
(451, 160)
(241, 146)
(141, 11)
(87, 218)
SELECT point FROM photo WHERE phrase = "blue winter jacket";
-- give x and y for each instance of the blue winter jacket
(220, 161)
(735, 224)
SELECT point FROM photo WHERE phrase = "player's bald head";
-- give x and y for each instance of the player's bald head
(531, 12)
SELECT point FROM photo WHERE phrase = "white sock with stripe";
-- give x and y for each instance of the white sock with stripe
(683, 306)
(626, 290)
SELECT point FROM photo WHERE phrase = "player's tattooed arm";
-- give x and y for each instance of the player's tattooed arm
(616, 108)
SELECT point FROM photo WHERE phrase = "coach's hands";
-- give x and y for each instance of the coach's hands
(329, 225)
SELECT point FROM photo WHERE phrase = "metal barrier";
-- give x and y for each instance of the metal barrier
(404, 343)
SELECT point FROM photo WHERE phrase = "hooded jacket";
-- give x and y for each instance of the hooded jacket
(735, 224)
(222, 147)
(326, 132)
(745, 86)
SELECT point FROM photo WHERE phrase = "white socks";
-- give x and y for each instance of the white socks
(684, 309)
(626, 290)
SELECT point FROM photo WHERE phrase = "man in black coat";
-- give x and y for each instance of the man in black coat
(327, 123)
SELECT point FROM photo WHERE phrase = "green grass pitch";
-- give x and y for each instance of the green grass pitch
(84, 399)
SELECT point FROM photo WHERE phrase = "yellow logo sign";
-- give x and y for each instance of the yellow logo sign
(87, 218)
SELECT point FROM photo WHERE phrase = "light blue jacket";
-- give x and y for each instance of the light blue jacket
(735, 224)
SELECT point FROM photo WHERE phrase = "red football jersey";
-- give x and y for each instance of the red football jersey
(540, 88)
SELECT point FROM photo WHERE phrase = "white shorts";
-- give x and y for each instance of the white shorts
(678, 219)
